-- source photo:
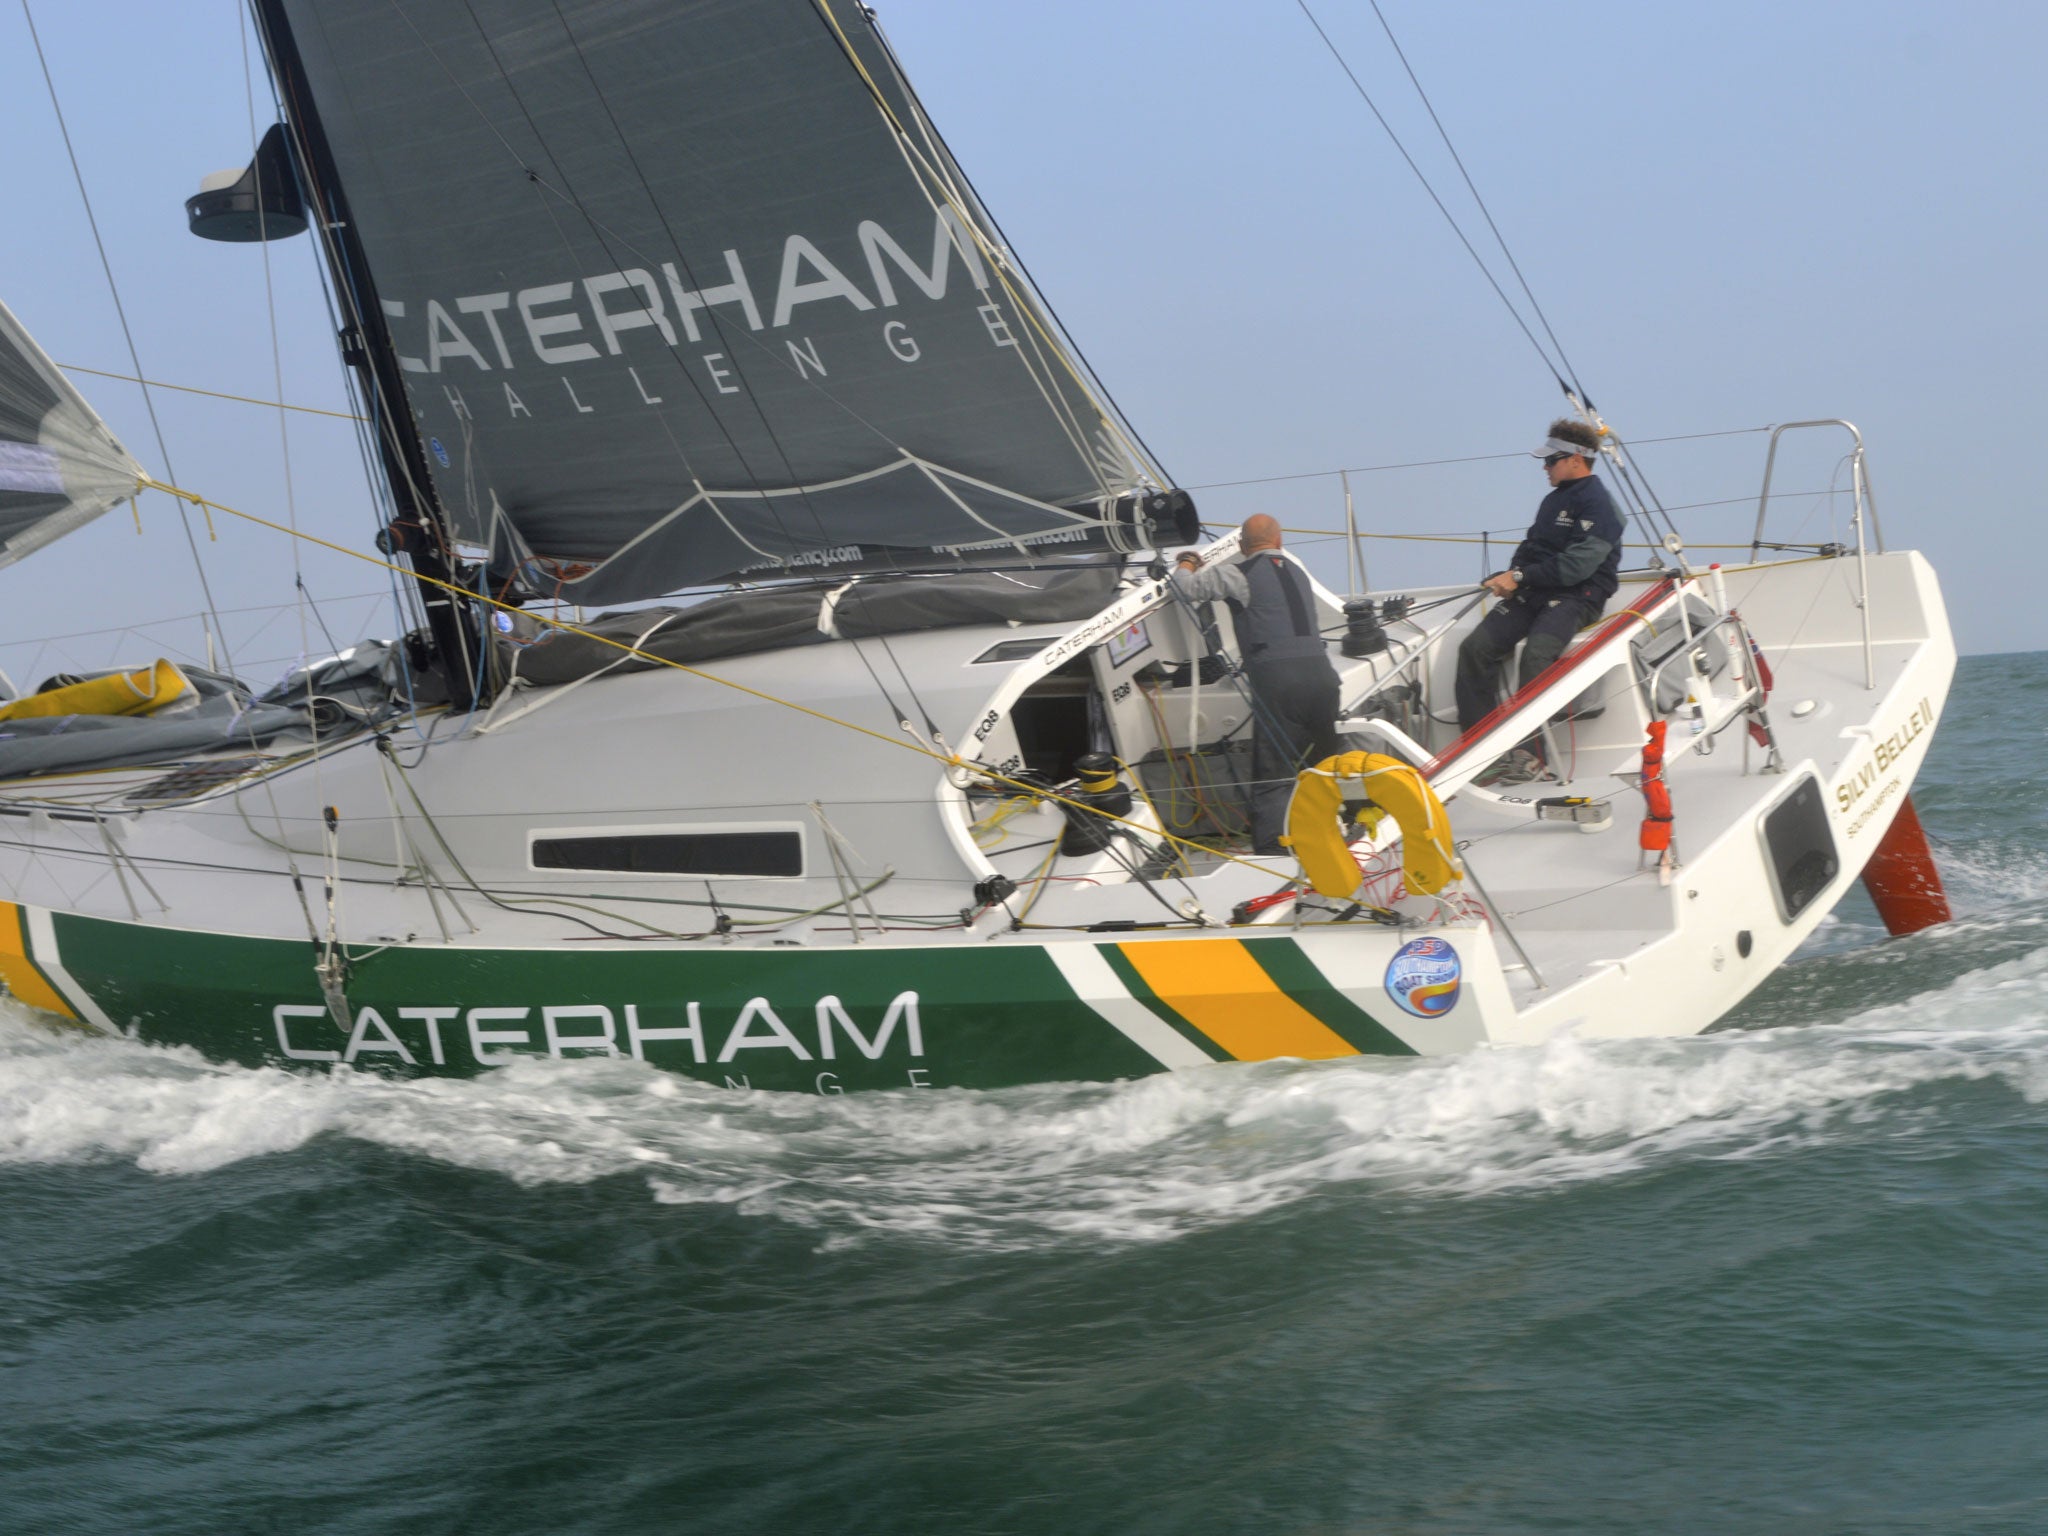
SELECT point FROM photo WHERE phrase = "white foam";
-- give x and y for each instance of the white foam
(1989, 878)
(1119, 1163)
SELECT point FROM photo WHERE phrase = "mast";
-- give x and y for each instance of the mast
(420, 531)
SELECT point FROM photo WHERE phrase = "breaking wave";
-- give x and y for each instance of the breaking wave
(1110, 1164)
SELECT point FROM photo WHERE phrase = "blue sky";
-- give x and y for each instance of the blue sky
(1734, 215)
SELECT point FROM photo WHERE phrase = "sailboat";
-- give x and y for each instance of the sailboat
(892, 759)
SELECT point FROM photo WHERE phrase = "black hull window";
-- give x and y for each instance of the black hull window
(1800, 846)
(764, 855)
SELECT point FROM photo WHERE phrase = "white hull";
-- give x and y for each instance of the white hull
(432, 854)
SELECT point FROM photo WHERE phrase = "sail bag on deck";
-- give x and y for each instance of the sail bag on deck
(141, 692)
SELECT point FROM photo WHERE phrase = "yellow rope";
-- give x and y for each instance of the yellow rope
(148, 482)
(994, 821)
(189, 389)
(197, 500)
(1138, 781)
(947, 760)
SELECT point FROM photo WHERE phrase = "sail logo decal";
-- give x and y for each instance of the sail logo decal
(1424, 978)
(838, 554)
(583, 319)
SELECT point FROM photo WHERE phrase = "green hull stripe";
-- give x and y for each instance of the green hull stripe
(1295, 974)
(1128, 975)
(987, 1018)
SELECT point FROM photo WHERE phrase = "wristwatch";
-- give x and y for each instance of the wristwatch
(1516, 572)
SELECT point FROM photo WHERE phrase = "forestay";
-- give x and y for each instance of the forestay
(687, 290)
(59, 465)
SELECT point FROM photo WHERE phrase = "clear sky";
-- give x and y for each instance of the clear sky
(1734, 214)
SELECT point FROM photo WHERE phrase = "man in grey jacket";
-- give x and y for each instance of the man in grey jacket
(1287, 668)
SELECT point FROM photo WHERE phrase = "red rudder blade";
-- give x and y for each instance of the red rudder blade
(1901, 877)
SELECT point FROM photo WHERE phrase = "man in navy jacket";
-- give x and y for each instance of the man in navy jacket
(1562, 575)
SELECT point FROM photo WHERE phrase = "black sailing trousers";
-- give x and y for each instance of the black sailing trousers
(1294, 726)
(1547, 620)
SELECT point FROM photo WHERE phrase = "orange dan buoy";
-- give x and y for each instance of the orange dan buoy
(1902, 879)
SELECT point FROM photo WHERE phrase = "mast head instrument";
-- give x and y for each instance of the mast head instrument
(260, 202)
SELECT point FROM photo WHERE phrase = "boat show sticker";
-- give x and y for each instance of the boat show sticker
(1424, 976)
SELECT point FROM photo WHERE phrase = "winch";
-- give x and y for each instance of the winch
(1098, 789)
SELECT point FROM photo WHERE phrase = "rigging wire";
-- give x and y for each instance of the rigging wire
(1485, 212)
(1001, 260)
(1255, 708)
(127, 334)
(746, 384)
(374, 426)
(386, 429)
(216, 632)
(1470, 458)
(407, 605)
(945, 758)
(1635, 484)
(609, 236)
(181, 618)
(284, 440)
(932, 731)
(326, 967)
(217, 394)
(606, 238)
(931, 130)
(1554, 366)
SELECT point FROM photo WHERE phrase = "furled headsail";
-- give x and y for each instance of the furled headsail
(59, 465)
(686, 291)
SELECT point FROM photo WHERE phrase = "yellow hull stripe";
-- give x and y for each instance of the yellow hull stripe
(1218, 987)
(24, 981)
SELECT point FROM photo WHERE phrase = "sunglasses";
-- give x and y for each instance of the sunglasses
(1557, 458)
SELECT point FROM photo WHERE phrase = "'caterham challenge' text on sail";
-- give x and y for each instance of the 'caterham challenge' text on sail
(584, 320)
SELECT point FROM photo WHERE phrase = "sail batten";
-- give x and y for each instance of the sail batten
(679, 289)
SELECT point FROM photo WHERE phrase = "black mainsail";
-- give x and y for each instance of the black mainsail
(687, 291)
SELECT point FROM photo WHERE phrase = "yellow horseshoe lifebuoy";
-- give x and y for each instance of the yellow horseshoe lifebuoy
(1429, 862)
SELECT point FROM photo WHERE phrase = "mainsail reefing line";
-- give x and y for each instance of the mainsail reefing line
(676, 294)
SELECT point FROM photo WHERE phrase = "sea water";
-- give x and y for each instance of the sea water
(1790, 1276)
